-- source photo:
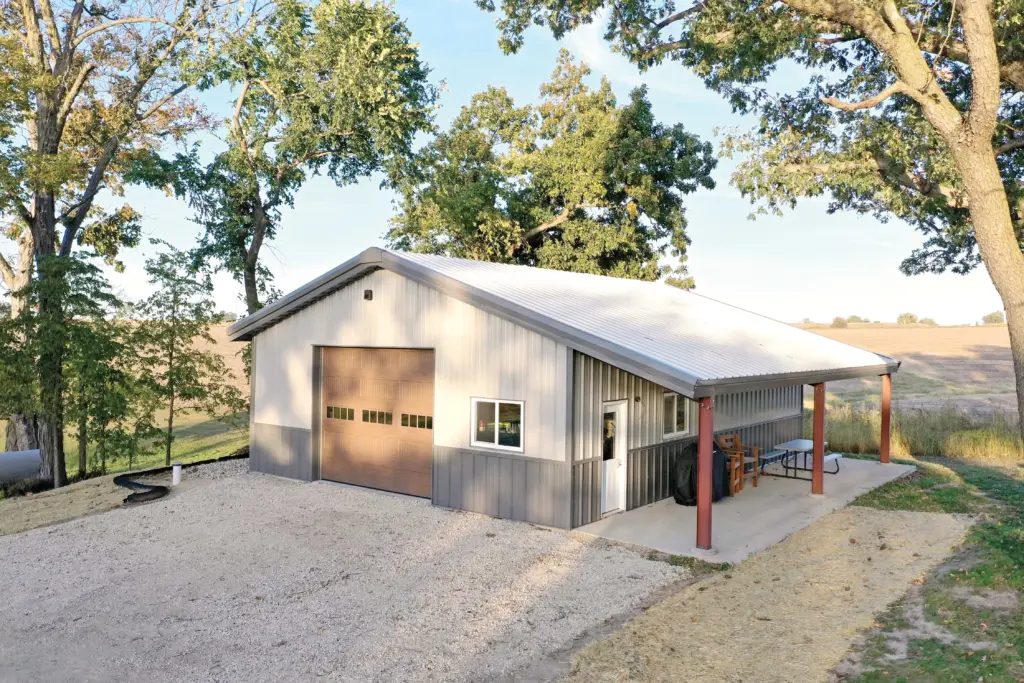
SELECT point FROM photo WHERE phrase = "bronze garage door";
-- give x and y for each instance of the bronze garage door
(377, 413)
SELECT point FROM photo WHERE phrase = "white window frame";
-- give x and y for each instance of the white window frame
(686, 428)
(496, 446)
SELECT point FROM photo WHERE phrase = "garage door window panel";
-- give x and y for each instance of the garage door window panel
(498, 424)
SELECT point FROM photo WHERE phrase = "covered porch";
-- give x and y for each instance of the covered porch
(761, 515)
(747, 523)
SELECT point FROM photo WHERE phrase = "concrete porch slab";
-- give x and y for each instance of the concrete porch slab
(749, 522)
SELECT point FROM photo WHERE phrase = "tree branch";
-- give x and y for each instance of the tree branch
(51, 26)
(897, 87)
(1010, 146)
(986, 96)
(673, 18)
(72, 94)
(888, 170)
(119, 22)
(7, 273)
(560, 218)
(155, 107)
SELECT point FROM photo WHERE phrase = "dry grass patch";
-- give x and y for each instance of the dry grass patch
(51, 507)
(787, 614)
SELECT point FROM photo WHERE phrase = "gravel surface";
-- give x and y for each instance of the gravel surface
(217, 470)
(254, 578)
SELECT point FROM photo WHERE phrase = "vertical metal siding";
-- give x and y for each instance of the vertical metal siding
(477, 355)
(501, 485)
(761, 417)
(283, 451)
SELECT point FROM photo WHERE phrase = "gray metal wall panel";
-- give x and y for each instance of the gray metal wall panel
(282, 451)
(502, 485)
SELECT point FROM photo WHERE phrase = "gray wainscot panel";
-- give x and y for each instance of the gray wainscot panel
(502, 485)
(283, 451)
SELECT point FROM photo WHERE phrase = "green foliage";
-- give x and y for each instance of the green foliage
(857, 319)
(576, 183)
(906, 319)
(839, 322)
(995, 318)
(335, 87)
(928, 321)
(179, 373)
(887, 160)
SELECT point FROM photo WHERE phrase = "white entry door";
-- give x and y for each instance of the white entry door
(613, 466)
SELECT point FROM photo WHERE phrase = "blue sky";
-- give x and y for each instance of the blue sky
(805, 264)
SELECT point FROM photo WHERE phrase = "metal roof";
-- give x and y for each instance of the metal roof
(681, 340)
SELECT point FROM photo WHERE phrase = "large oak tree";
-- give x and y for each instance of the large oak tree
(577, 182)
(907, 109)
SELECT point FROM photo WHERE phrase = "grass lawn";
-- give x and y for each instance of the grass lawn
(196, 437)
(965, 621)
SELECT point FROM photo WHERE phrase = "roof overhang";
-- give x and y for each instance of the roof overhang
(622, 357)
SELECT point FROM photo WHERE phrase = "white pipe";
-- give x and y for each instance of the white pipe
(176, 474)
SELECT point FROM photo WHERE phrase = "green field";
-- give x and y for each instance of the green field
(196, 437)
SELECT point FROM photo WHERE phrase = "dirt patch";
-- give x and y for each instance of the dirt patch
(814, 592)
(1005, 601)
(52, 507)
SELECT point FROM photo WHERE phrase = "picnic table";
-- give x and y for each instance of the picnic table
(794, 459)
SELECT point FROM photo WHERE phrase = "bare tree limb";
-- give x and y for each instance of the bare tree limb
(897, 87)
(51, 26)
(120, 22)
(156, 106)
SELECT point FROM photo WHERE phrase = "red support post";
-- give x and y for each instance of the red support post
(886, 411)
(818, 471)
(705, 439)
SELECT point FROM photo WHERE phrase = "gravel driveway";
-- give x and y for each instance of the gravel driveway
(254, 578)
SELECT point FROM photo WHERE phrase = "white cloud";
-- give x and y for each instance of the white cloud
(588, 44)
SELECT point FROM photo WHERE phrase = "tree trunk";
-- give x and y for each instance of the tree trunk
(52, 343)
(252, 295)
(22, 433)
(997, 242)
(83, 442)
(22, 429)
(170, 432)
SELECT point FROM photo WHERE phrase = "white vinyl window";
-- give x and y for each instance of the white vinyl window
(677, 415)
(498, 424)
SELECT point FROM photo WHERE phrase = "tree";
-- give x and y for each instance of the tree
(995, 318)
(85, 92)
(335, 88)
(172, 320)
(575, 183)
(906, 319)
(839, 322)
(857, 319)
(929, 322)
(911, 110)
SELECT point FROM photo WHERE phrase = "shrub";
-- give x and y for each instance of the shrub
(944, 431)
(857, 319)
(906, 319)
(994, 318)
(928, 321)
(838, 322)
